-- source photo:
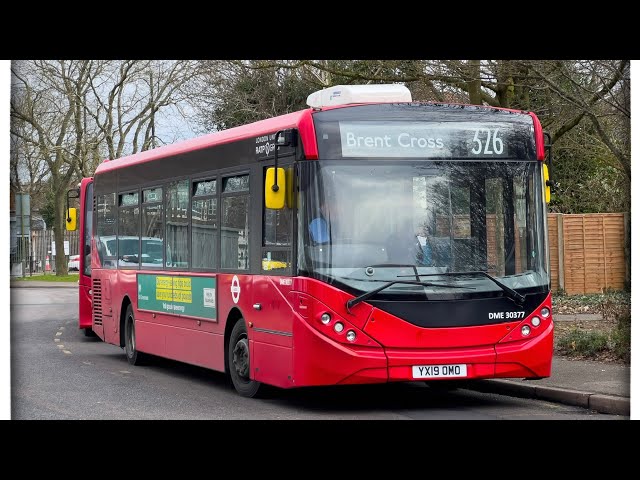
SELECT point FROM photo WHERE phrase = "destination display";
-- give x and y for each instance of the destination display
(432, 140)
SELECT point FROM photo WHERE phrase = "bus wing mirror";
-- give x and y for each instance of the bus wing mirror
(72, 213)
(547, 187)
(274, 194)
(72, 219)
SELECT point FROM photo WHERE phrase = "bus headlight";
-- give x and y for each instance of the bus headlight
(535, 321)
(526, 330)
(338, 327)
(545, 312)
(351, 336)
(325, 318)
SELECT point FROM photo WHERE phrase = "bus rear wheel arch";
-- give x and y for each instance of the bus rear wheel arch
(239, 361)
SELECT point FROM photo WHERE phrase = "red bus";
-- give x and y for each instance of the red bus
(366, 239)
(85, 194)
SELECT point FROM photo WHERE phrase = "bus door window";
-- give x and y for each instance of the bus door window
(495, 226)
(277, 231)
(460, 225)
(509, 227)
(401, 243)
(524, 221)
(478, 219)
(501, 226)
(520, 218)
(443, 224)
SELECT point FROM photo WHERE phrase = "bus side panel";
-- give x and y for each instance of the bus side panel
(526, 358)
(273, 322)
(101, 305)
(225, 303)
(318, 360)
(195, 347)
(84, 306)
(197, 341)
(111, 299)
(272, 364)
(272, 331)
(150, 336)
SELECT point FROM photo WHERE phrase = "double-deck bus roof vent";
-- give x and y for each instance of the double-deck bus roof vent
(345, 94)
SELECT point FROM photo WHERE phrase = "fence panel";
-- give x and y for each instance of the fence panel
(593, 252)
(39, 248)
(552, 226)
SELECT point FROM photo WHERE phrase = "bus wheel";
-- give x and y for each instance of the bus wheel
(239, 361)
(133, 356)
(88, 332)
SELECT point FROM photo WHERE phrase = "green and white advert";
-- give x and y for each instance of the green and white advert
(185, 296)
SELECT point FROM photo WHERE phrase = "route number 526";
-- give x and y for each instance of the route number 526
(488, 139)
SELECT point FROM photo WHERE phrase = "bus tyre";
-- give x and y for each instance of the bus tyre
(239, 361)
(133, 356)
(88, 332)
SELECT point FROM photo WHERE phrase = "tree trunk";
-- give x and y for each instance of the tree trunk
(59, 199)
(473, 85)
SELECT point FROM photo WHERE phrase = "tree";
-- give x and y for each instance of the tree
(596, 91)
(68, 115)
(46, 98)
(126, 98)
(591, 95)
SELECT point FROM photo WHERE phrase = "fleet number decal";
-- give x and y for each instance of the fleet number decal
(503, 315)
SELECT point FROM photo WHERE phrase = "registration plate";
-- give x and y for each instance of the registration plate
(439, 371)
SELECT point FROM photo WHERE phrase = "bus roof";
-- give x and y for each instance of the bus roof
(300, 120)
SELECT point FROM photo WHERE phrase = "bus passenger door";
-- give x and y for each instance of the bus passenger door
(271, 312)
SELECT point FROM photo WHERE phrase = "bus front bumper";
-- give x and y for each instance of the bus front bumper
(320, 361)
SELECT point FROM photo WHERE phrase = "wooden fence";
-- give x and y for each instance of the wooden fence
(587, 252)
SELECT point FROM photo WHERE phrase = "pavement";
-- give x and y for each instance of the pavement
(599, 386)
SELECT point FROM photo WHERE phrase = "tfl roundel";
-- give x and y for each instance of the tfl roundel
(235, 289)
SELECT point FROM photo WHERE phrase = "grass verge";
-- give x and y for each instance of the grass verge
(600, 340)
(48, 278)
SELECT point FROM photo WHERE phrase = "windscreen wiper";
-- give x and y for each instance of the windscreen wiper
(365, 296)
(511, 294)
